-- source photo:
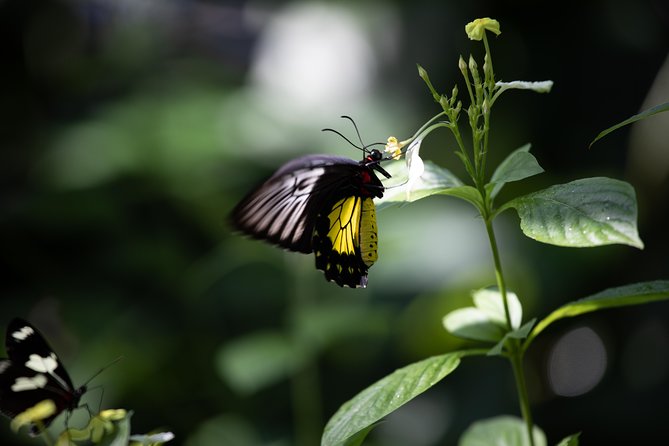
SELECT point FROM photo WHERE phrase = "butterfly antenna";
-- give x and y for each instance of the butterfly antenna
(345, 138)
(103, 369)
(364, 146)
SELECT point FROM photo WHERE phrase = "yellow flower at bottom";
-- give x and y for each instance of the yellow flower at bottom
(478, 27)
(394, 147)
(40, 411)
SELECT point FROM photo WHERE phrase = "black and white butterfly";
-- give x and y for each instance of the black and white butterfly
(321, 204)
(33, 373)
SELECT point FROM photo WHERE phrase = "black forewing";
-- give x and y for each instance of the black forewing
(30, 356)
(283, 209)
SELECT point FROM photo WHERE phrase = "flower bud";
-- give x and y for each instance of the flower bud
(475, 30)
(463, 66)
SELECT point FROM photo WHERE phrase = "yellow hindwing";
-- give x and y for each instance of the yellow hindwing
(345, 225)
(353, 227)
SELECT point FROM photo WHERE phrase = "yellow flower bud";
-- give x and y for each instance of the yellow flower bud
(478, 27)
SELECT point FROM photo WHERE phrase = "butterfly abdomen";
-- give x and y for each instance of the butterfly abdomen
(368, 233)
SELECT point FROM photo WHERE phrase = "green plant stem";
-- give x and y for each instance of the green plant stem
(516, 358)
(499, 276)
(515, 352)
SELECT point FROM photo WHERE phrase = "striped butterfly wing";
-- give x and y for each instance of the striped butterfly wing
(283, 209)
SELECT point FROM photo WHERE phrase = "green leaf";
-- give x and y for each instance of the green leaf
(634, 294)
(467, 193)
(359, 437)
(472, 323)
(587, 212)
(643, 115)
(487, 320)
(501, 431)
(434, 180)
(490, 301)
(571, 440)
(388, 394)
(520, 164)
(520, 333)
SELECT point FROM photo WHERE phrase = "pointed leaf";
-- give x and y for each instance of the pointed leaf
(520, 333)
(359, 438)
(587, 212)
(501, 431)
(467, 193)
(491, 303)
(472, 323)
(635, 294)
(571, 440)
(520, 164)
(644, 114)
(388, 394)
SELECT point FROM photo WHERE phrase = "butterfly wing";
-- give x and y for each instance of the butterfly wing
(283, 209)
(33, 373)
(345, 240)
(322, 204)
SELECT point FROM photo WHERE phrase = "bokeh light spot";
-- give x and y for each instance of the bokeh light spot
(577, 362)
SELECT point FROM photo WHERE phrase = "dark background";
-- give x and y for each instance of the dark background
(131, 128)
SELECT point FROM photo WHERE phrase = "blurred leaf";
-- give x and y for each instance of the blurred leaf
(257, 361)
(472, 323)
(520, 164)
(153, 439)
(487, 320)
(501, 431)
(434, 180)
(387, 395)
(643, 115)
(490, 302)
(571, 440)
(587, 212)
(634, 294)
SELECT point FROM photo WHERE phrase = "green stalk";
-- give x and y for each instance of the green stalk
(499, 276)
(515, 353)
(516, 358)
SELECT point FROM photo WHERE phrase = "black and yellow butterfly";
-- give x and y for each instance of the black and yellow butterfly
(321, 204)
